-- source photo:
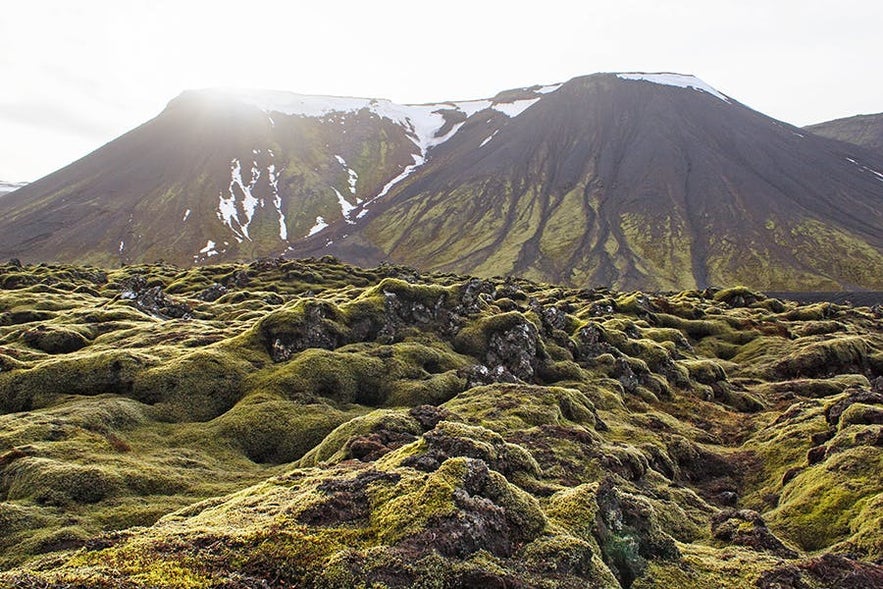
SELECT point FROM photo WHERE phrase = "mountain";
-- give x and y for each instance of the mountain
(318, 425)
(6, 187)
(630, 180)
(863, 130)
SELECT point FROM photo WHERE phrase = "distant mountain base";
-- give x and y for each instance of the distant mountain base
(858, 299)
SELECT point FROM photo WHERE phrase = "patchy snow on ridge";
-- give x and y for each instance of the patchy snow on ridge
(549, 88)
(10, 186)
(352, 176)
(319, 226)
(236, 209)
(513, 109)
(678, 80)
(228, 206)
(470, 107)
(208, 251)
(486, 141)
(421, 122)
(277, 200)
(346, 208)
(865, 168)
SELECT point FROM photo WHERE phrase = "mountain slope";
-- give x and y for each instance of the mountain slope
(863, 130)
(631, 180)
(630, 183)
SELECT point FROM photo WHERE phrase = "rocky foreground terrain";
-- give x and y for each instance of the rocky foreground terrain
(312, 424)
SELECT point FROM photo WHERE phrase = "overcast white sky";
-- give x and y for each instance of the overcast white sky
(74, 75)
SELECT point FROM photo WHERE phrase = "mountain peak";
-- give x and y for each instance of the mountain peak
(673, 79)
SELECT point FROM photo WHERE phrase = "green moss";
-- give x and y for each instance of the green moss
(333, 448)
(694, 328)
(269, 428)
(816, 508)
(703, 567)
(409, 506)
(342, 377)
(737, 296)
(861, 414)
(705, 371)
(824, 358)
(813, 388)
(432, 390)
(512, 408)
(195, 387)
(55, 340)
(301, 324)
(57, 483)
(475, 337)
(575, 510)
(865, 537)
(77, 374)
(170, 424)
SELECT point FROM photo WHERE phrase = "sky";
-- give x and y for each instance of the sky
(75, 75)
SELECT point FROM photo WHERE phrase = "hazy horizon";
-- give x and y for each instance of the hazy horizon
(77, 76)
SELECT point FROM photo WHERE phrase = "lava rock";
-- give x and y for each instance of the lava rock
(212, 293)
(833, 413)
(746, 527)
(515, 350)
(629, 534)
(828, 570)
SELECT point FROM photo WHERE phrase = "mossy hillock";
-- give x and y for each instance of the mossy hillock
(308, 423)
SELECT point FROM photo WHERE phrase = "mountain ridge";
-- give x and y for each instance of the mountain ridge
(631, 180)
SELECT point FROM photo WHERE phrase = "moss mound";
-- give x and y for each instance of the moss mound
(311, 424)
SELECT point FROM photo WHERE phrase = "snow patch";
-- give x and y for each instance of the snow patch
(418, 161)
(208, 251)
(277, 200)
(186, 215)
(236, 209)
(352, 176)
(229, 205)
(122, 245)
(513, 109)
(548, 89)
(319, 226)
(865, 168)
(470, 107)
(678, 80)
(11, 186)
(486, 141)
(346, 208)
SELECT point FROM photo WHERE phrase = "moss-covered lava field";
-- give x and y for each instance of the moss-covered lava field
(311, 424)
